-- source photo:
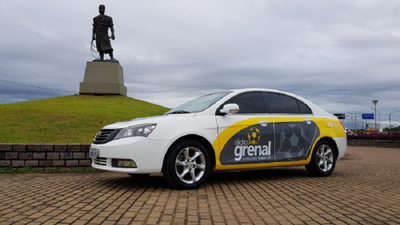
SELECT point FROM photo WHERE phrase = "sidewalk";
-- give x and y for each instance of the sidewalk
(363, 189)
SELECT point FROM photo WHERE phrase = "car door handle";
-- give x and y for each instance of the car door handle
(308, 121)
(264, 123)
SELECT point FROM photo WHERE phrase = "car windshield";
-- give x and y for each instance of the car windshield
(198, 104)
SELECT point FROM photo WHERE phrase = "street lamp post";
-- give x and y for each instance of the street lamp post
(379, 126)
(355, 119)
(375, 102)
(362, 125)
(390, 120)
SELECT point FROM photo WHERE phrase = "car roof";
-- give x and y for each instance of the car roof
(267, 90)
(315, 108)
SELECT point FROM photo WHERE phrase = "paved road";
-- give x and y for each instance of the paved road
(364, 189)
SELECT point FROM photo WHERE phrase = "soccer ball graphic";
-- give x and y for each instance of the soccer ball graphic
(254, 136)
(293, 141)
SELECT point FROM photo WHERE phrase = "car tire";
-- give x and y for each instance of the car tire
(323, 160)
(187, 165)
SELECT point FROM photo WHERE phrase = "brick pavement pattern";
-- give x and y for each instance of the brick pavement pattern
(363, 189)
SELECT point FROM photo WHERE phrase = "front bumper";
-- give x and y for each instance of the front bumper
(146, 153)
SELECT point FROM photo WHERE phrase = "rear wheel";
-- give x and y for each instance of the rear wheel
(323, 160)
(187, 165)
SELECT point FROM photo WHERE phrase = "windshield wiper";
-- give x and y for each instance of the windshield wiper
(179, 112)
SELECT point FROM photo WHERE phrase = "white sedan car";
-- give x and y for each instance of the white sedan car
(230, 130)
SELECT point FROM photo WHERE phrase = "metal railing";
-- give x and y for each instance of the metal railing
(374, 135)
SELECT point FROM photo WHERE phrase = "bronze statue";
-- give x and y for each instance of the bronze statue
(101, 23)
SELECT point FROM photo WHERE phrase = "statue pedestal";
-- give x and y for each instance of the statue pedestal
(103, 78)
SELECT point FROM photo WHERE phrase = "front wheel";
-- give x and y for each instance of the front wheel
(187, 165)
(323, 160)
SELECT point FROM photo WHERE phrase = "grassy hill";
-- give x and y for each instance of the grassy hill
(68, 119)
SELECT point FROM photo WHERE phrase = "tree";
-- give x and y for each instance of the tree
(392, 128)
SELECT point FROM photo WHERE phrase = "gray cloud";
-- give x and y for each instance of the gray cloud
(339, 54)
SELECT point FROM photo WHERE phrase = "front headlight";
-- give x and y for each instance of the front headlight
(139, 130)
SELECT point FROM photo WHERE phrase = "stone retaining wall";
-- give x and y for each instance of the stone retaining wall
(77, 155)
(44, 155)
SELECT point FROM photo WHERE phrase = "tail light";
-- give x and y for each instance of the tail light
(342, 124)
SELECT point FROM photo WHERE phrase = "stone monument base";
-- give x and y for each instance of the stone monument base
(103, 78)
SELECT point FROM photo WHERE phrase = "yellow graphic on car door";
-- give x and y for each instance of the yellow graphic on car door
(249, 143)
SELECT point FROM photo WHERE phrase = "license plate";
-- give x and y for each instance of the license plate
(93, 153)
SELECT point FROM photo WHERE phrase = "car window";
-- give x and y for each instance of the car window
(198, 104)
(280, 103)
(304, 108)
(251, 102)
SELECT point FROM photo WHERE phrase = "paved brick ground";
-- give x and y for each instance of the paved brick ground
(364, 189)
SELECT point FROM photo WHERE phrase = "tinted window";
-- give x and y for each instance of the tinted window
(252, 102)
(304, 108)
(279, 103)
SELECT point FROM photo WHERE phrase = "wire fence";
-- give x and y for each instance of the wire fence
(38, 87)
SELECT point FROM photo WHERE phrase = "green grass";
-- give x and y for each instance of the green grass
(27, 170)
(68, 119)
(10, 170)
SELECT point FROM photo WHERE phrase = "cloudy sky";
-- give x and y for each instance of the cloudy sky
(340, 54)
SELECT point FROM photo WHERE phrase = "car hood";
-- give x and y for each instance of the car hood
(151, 119)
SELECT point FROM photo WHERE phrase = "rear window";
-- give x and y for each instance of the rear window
(280, 103)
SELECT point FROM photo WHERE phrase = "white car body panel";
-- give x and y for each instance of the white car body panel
(149, 152)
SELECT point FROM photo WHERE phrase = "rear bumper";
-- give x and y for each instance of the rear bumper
(342, 146)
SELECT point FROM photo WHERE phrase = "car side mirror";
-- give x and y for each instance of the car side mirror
(230, 108)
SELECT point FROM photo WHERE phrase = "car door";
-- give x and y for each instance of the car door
(245, 137)
(295, 128)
